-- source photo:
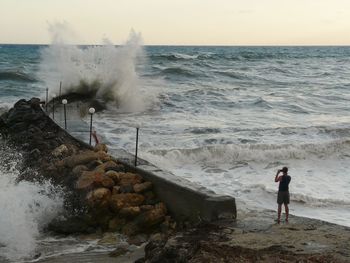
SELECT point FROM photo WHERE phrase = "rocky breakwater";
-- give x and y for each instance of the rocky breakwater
(101, 193)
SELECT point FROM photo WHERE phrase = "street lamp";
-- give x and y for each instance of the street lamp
(64, 102)
(91, 111)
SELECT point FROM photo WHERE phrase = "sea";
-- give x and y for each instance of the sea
(226, 118)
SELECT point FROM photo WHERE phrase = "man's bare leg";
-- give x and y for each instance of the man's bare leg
(279, 213)
(287, 211)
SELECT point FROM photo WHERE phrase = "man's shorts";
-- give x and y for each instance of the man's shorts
(283, 197)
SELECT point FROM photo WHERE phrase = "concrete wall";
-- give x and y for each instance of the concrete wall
(184, 199)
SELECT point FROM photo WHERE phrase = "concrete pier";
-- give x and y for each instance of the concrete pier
(186, 201)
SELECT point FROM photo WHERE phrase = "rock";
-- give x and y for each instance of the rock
(116, 190)
(106, 165)
(146, 207)
(156, 237)
(60, 151)
(126, 189)
(130, 229)
(109, 239)
(139, 188)
(94, 164)
(116, 224)
(101, 147)
(99, 197)
(87, 179)
(69, 226)
(120, 201)
(121, 250)
(107, 182)
(129, 179)
(138, 239)
(113, 175)
(84, 158)
(79, 169)
(119, 168)
(129, 212)
(152, 217)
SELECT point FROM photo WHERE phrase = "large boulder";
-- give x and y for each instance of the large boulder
(87, 179)
(139, 188)
(129, 179)
(120, 201)
(99, 197)
(84, 158)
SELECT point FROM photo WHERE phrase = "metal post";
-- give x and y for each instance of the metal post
(60, 89)
(53, 106)
(91, 111)
(64, 102)
(137, 142)
(47, 98)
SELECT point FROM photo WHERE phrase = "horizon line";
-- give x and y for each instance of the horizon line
(194, 45)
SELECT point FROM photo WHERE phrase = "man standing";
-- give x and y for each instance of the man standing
(283, 192)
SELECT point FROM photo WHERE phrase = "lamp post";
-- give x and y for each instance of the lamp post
(53, 106)
(137, 143)
(47, 98)
(64, 102)
(60, 89)
(91, 111)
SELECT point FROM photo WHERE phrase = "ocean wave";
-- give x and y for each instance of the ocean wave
(317, 202)
(232, 74)
(177, 71)
(203, 130)
(305, 199)
(230, 153)
(16, 76)
(173, 57)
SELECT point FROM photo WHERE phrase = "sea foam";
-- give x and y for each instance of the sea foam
(26, 208)
(108, 72)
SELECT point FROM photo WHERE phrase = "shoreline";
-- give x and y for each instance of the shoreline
(252, 237)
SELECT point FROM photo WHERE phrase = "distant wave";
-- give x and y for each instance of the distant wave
(174, 56)
(177, 71)
(232, 74)
(16, 76)
(228, 153)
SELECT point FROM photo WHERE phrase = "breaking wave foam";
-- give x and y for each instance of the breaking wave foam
(229, 153)
(26, 208)
(107, 72)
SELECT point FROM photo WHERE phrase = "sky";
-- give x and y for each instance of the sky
(180, 22)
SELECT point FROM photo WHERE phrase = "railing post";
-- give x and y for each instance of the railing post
(137, 143)
(64, 102)
(91, 111)
(47, 98)
(53, 106)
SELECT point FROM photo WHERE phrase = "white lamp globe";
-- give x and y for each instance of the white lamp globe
(92, 110)
(64, 101)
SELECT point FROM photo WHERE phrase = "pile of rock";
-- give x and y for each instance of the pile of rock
(116, 199)
(100, 192)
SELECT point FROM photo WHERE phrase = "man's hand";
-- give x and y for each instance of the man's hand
(277, 179)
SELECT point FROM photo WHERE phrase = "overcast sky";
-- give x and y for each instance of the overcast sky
(181, 22)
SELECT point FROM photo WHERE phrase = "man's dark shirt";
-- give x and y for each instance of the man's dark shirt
(284, 183)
